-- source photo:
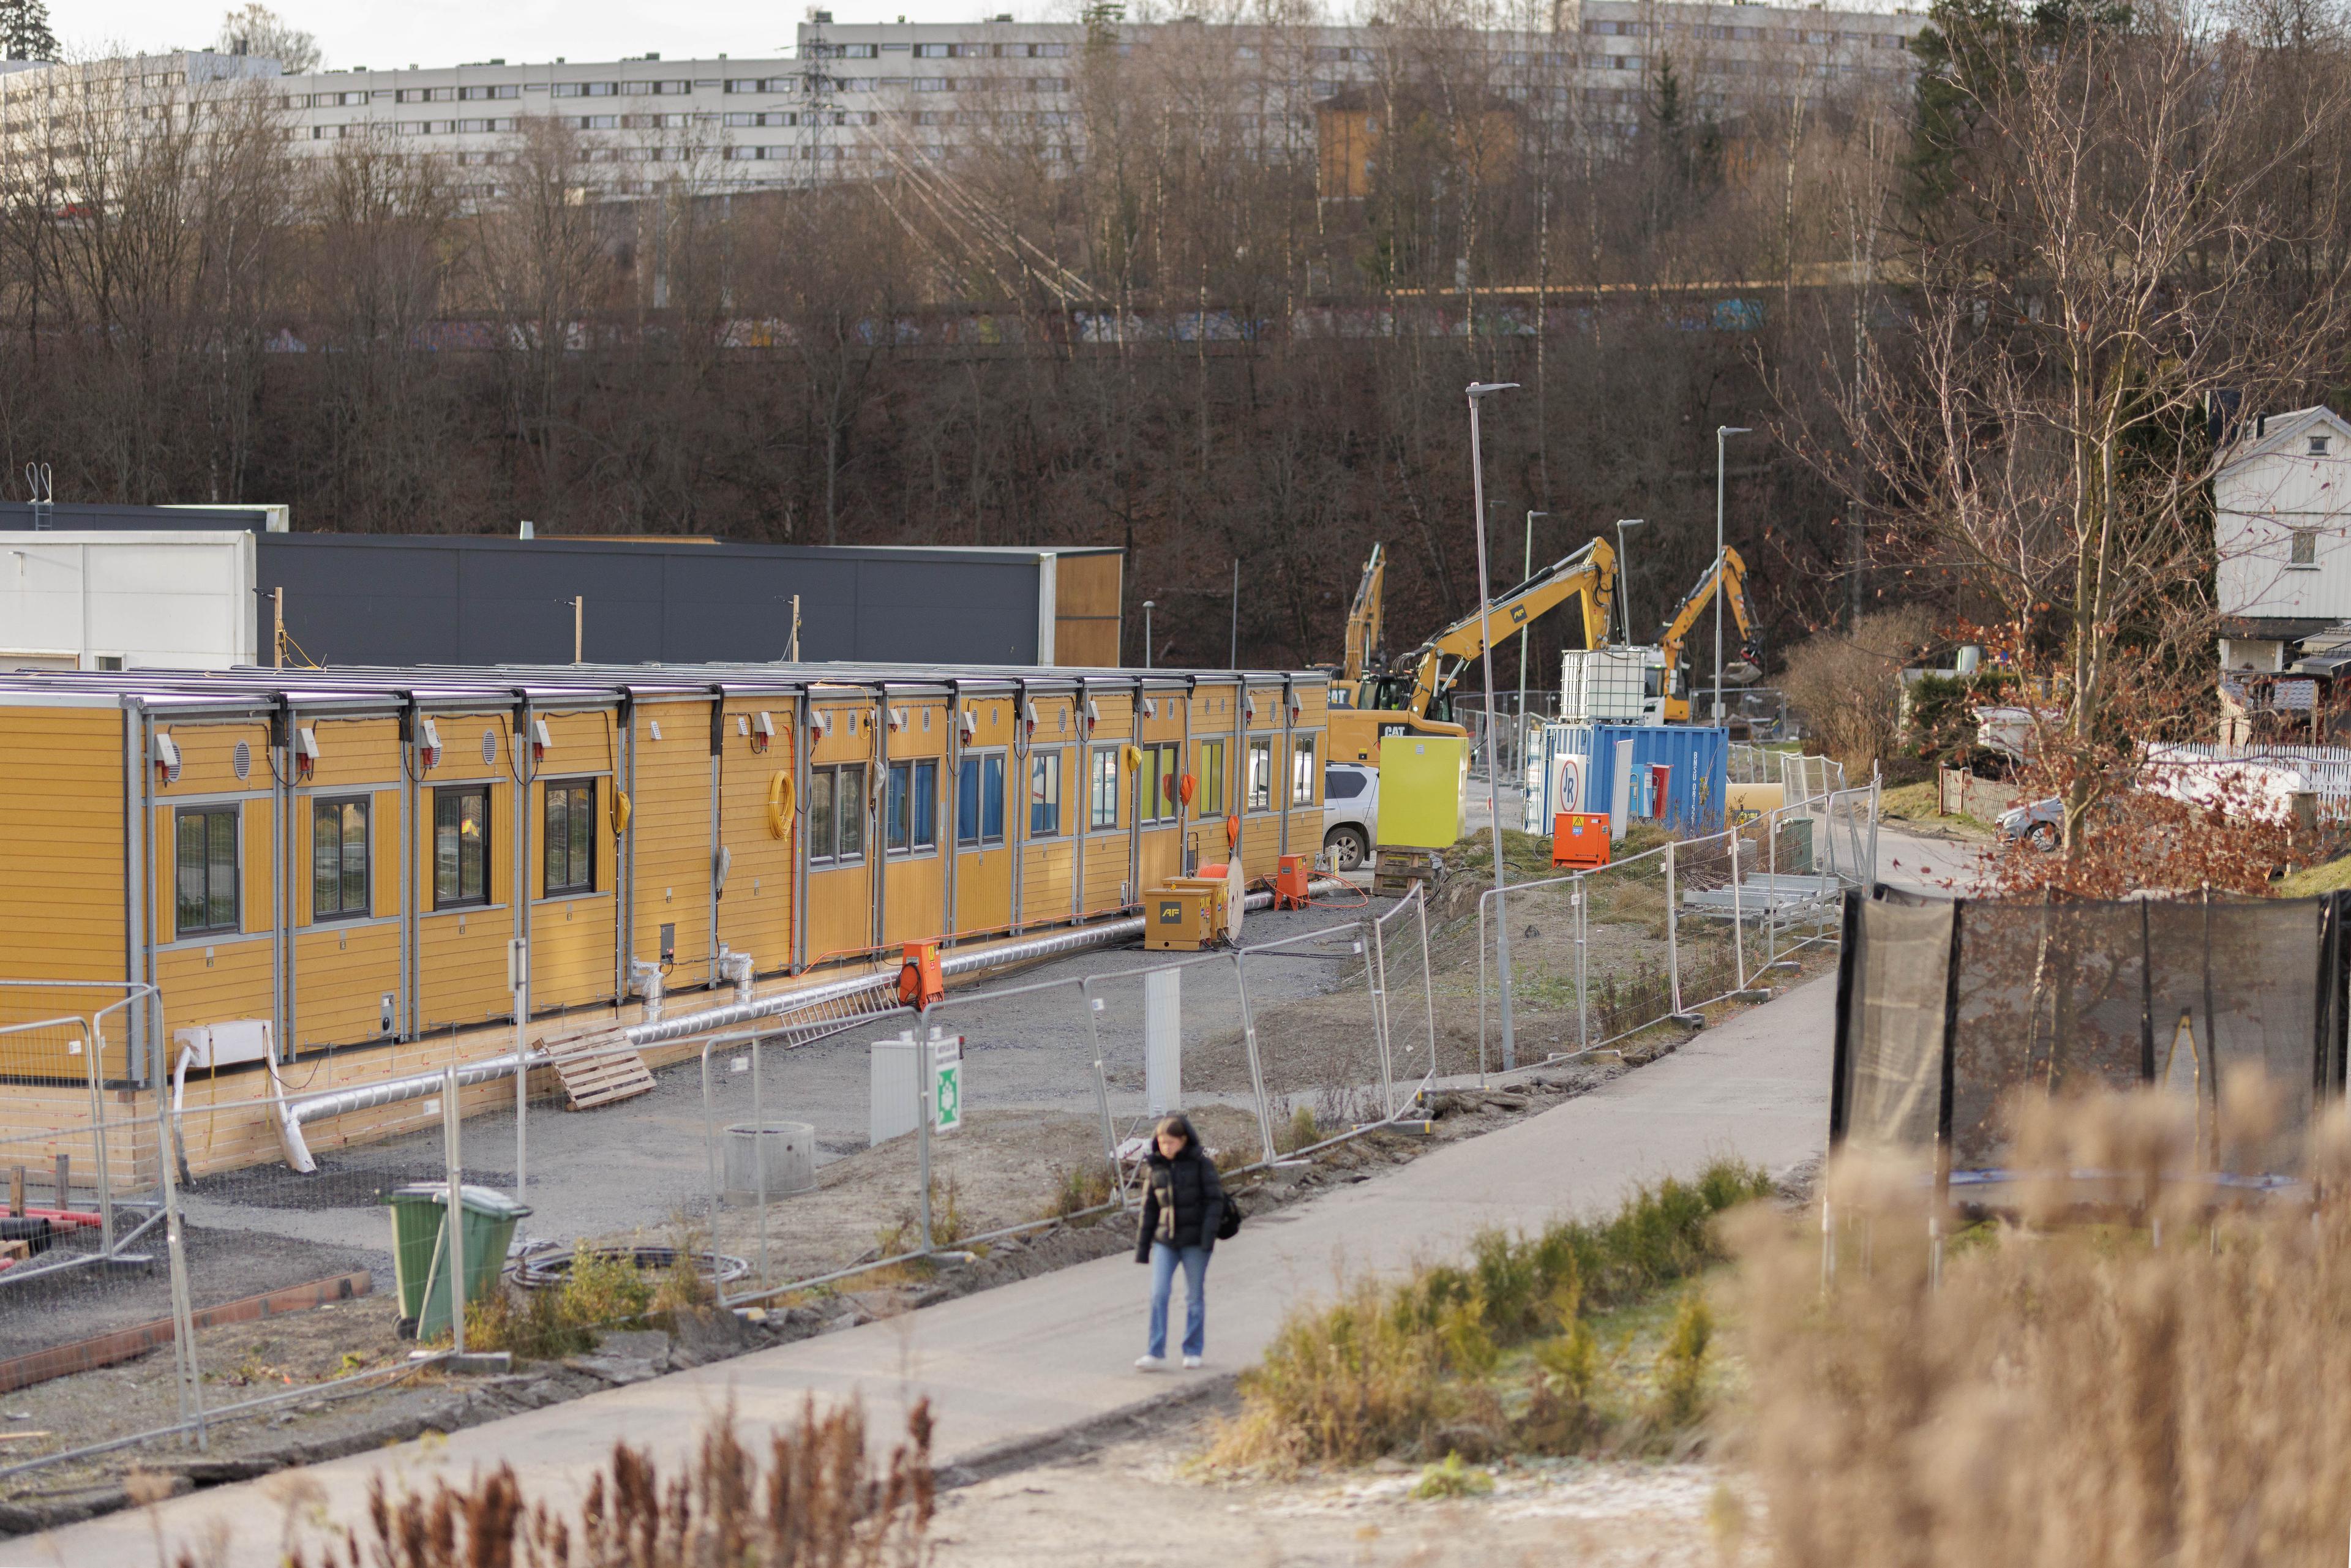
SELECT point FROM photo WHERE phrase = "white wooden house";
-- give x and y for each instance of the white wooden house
(2282, 528)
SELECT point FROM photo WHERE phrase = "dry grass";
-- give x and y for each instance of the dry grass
(2149, 1381)
(1425, 1367)
(603, 1289)
(816, 1499)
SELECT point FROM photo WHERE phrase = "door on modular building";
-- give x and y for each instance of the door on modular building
(984, 853)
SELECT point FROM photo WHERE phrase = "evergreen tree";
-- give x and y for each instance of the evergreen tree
(24, 31)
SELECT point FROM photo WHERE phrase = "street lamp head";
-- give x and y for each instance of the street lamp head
(1631, 522)
(1149, 604)
(1733, 429)
(1479, 388)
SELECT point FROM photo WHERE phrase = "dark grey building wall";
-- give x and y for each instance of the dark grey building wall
(355, 599)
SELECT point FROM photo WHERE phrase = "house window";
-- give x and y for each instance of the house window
(571, 837)
(1102, 794)
(2306, 548)
(207, 855)
(1045, 794)
(979, 802)
(2318, 446)
(339, 859)
(1208, 794)
(1260, 774)
(1157, 784)
(1301, 770)
(461, 847)
(836, 814)
(911, 814)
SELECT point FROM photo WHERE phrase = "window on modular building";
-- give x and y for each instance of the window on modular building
(848, 798)
(898, 809)
(1102, 794)
(2305, 547)
(819, 815)
(570, 837)
(927, 806)
(1208, 791)
(1045, 794)
(461, 847)
(979, 801)
(207, 857)
(1260, 775)
(1301, 770)
(339, 859)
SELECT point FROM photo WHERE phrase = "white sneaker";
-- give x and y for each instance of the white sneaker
(1191, 1364)
(1150, 1364)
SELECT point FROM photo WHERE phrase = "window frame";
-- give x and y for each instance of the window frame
(2302, 549)
(917, 834)
(1253, 800)
(1165, 769)
(845, 805)
(1208, 794)
(321, 805)
(1101, 788)
(1303, 750)
(978, 763)
(1049, 760)
(572, 834)
(460, 899)
(206, 814)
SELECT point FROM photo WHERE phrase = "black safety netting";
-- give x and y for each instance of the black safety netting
(1952, 1013)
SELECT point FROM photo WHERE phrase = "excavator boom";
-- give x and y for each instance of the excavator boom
(1727, 575)
(1590, 572)
(1363, 618)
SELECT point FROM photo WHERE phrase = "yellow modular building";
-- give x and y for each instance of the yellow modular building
(354, 854)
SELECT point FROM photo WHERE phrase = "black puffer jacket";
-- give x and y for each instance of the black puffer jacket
(1183, 1199)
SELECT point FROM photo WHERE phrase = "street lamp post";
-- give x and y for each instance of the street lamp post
(1478, 390)
(1146, 633)
(1721, 432)
(1526, 635)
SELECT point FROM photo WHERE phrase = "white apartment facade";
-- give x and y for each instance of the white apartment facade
(2281, 531)
(855, 98)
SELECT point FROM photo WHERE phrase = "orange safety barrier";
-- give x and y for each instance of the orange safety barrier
(1580, 838)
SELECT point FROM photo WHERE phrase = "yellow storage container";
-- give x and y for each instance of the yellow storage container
(1181, 919)
(1424, 786)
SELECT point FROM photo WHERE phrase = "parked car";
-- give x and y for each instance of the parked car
(1350, 807)
(2040, 823)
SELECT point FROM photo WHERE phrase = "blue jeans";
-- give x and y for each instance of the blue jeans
(1164, 1259)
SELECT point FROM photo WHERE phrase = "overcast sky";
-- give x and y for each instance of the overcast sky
(386, 34)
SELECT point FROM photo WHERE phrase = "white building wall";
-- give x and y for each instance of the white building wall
(2261, 502)
(82, 601)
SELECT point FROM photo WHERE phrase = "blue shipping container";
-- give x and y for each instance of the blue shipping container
(1697, 758)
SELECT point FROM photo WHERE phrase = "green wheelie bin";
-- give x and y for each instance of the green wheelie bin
(420, 1248)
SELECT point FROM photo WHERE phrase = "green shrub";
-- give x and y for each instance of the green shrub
(1395, 1368)
(1451, 1478)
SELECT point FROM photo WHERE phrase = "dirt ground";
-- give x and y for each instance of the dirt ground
(1139, 1499)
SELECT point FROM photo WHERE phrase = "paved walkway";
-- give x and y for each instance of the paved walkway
(1029, 1359)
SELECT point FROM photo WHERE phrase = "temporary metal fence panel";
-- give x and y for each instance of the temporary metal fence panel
(1658, 934)
(2044, 998)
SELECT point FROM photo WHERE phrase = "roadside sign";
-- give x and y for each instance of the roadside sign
(946, 1082)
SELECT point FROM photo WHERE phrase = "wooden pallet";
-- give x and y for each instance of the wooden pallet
(598, 1067)
(1395, 871)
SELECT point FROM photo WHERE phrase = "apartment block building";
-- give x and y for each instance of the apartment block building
(855, 99)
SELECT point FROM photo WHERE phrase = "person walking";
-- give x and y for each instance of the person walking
(1182, 1207)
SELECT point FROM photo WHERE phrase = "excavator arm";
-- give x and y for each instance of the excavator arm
(1590, 572)
(1726, 576)
(1363, 618)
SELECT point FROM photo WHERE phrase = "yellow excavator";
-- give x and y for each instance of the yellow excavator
(1726, 576)
(1410, 694)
